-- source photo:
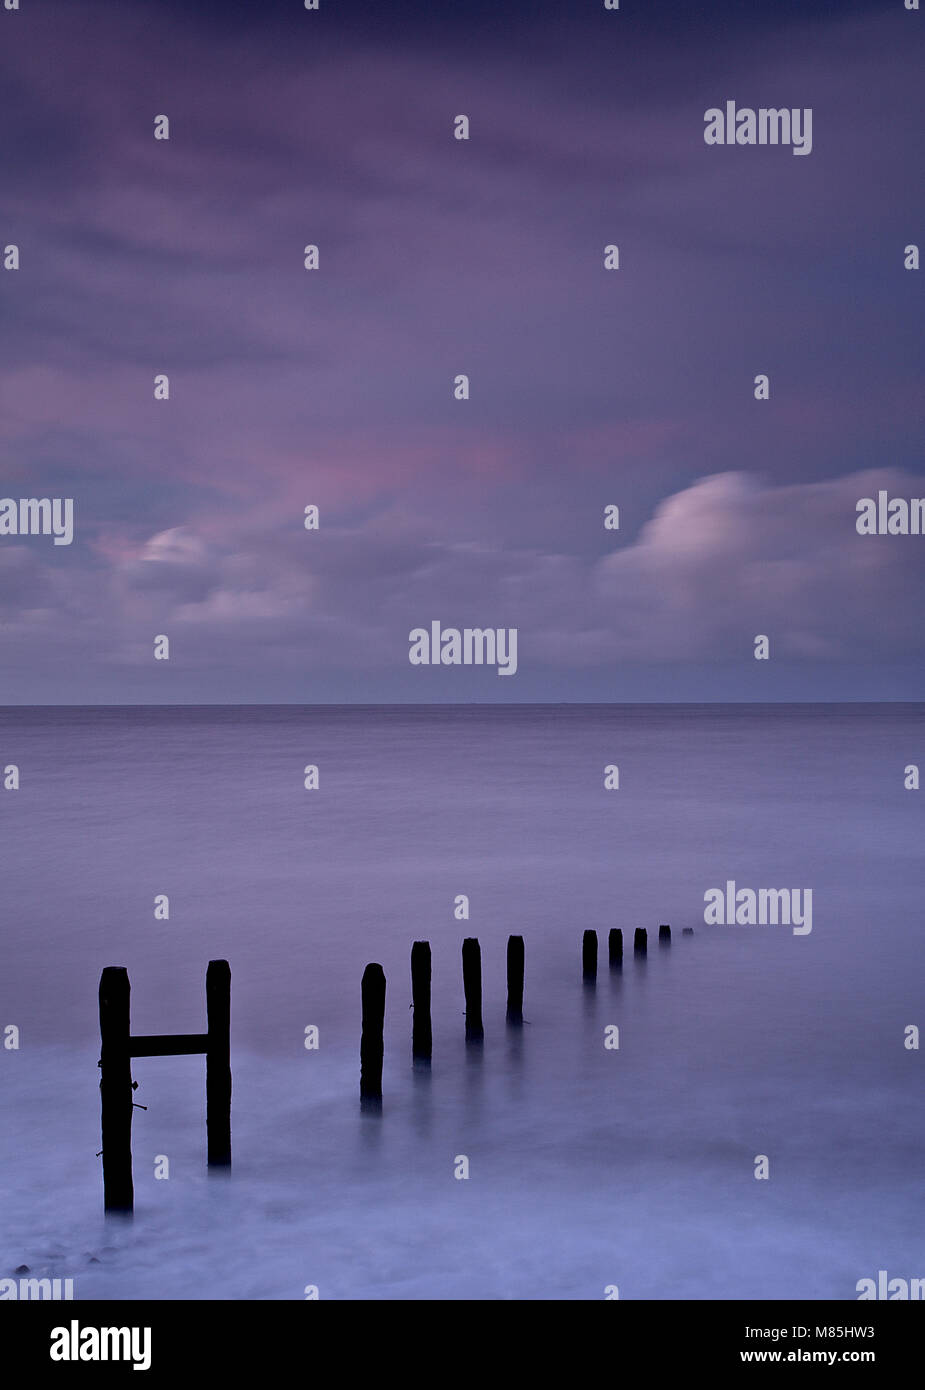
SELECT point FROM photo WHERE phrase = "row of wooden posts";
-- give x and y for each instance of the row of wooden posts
(373, 995)
(119, 1045)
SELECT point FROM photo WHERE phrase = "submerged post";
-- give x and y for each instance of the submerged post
(371, 1046)
(515, 979)
(472, 987)
(422, 1041)
(687, 931)
(664, 935)
(116, 1089)
(589, 955)
(641, 941)
(218, 1063)
(615, 946)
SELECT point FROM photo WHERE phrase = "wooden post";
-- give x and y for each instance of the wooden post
(218, 1063)
(615, 946)
(116, 1089)
(664, 935)
(472, 987)
(422, 1041)
(371, 1046)
(641, 941)
(589, 955)
(515, 979)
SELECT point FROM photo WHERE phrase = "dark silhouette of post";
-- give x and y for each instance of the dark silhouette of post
(615, 946)
(422, 1040)
(515, 979)
(472, 988)
(116, 1089)
(120, 1045)
(687, 931)
(664, 935)
(589, 955)
(218, 1063)
(371, 1046)
(640, 941)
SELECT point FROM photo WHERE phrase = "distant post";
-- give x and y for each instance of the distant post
(472, 988)
(116, 1089)
(615, 946)
(687, 931)
(515, 979)
(589, 955)
(218, 1063)
(640, 941)
(664, 935)
(422, 1040)
(371, 1045)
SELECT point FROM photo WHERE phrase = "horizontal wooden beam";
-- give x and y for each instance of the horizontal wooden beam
(168, 1044)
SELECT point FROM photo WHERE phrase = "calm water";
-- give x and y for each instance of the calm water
(588, 1167)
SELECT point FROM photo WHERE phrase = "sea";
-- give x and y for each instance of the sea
(737, 1115)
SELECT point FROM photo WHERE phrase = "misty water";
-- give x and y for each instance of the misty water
(588, 1167)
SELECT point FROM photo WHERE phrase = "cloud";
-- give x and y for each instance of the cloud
(335, 387)
(717, 563)
(732, 556)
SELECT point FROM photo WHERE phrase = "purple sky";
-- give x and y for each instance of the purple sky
(438, 256)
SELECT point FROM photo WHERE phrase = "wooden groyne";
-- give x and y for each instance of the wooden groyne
(119, 1045)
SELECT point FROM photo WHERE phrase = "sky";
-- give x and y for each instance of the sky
(335, 387)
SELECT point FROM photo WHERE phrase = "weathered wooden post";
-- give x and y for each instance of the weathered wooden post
(422, 1040)
(218, 1063)
(120, 1045)
(116, 1089)
(371, 1045)
(515, 979)
(664, 935)
(472, 988)
(615, 946)
(589, 955)
(640, 941)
